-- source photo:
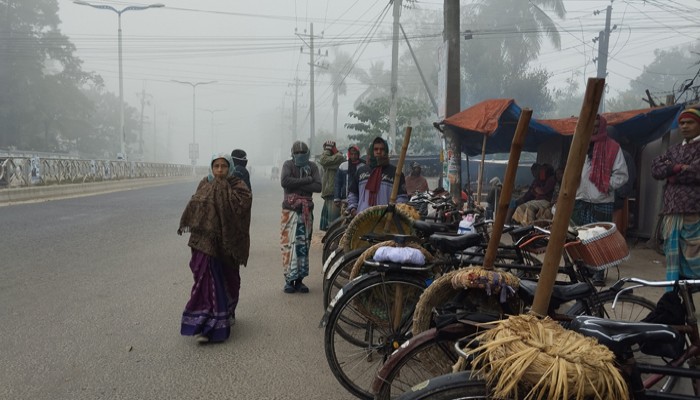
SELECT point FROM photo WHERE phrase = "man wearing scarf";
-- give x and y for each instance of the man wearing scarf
(218, 220)
(344, 175)
(300, 178)
(373, 183)
(330, 160)
(680, 168)
(603, 172)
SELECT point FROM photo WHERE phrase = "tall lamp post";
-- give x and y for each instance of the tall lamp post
(212, 124)
(194, 149)
(122, 135)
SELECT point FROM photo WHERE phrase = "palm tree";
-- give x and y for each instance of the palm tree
(377, 79)
(338, 70)
(518, 26)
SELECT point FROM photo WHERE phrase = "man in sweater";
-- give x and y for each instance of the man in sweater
(680, 168)
(330, 160)
(373, 182)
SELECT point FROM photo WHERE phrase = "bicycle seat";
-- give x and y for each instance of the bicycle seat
(453, 244)
(620, 336)
(429, 228)
(560, 293)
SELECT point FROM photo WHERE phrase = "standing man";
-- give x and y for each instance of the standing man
(373, 183)
(345, 174)
(239, 165)
(415, 182)
(300, 179)
(680, 167)
(330, 161)
(604, 171)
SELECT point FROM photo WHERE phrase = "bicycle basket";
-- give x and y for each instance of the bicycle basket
(601, 251)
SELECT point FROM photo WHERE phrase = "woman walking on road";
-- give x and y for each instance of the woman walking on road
(218, 220)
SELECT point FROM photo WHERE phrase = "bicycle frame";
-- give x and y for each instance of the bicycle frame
(633, 369)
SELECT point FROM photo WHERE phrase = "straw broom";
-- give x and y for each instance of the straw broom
(537, 357)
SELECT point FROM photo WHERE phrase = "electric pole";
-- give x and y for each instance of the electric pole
(295, 106)
(394, 77)
(312, 105)
(451, 37)
(603, 44)
(143, 96)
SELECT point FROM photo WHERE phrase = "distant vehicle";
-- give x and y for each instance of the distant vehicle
(121, 157)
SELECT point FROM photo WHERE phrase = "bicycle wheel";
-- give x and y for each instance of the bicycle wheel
(367, 324)
(459, 385)
(338, 276)
(629, 307)
(425, 356)
(332, 239)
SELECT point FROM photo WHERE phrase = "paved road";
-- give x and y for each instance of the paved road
(92, 289)
(91, 294)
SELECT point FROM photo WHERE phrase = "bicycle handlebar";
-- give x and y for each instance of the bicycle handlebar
(643, 282)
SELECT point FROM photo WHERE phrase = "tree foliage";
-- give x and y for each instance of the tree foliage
(46, 98)
(373, 120)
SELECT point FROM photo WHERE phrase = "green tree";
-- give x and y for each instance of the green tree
(373, 120)
(39, 75)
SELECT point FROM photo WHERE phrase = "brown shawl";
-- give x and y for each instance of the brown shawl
(218, 219)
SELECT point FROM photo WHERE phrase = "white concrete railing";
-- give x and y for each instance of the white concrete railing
(18, 172)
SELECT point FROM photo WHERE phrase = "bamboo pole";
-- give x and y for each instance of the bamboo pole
(397, 176)
(567, 195)
(508, 182)
(481, 172)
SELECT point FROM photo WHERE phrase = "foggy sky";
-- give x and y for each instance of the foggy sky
(251, 50)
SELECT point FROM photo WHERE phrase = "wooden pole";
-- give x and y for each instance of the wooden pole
(397, 176)
(508, 182)
(567, 195)
(481, 172)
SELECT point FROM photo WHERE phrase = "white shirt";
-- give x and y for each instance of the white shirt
(588, 192)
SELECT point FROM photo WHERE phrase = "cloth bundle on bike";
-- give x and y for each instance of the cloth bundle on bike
(495, 282)
(399, 255)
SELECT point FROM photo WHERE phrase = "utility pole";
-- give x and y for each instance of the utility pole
(451, 37)
(295, 106)
(312, 105)
(603, 43)
(394, 77)
(142, 96)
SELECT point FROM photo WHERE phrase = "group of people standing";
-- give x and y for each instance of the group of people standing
(362, 184)
(218, 214)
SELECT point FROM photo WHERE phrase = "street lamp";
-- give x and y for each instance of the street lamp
(194, 150)
(212, 124)
(121, 73)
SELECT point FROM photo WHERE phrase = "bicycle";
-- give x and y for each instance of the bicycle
(679, 344)
(358, 340)
(429, 353)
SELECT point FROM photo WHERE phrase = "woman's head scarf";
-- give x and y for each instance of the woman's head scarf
(215, 157)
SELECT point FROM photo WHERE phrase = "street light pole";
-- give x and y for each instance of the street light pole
(122, 132)
(212, 124)
(194, 150)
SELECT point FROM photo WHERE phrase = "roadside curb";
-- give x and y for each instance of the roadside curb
(54, 192)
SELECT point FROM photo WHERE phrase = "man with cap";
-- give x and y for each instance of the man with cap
(330, 160)
(239, 165)
(373, 182)
(415, 182)
(680, 168)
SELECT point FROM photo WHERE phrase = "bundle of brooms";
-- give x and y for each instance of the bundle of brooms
(529, 355)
